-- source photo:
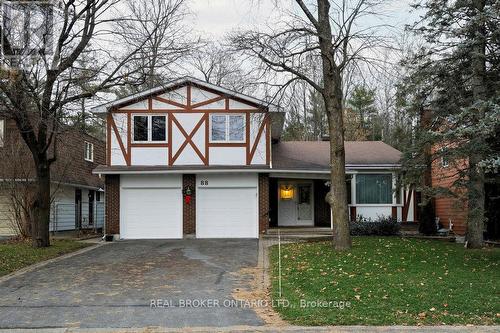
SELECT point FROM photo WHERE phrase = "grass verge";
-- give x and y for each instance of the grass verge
(16, 255)
(387, 281)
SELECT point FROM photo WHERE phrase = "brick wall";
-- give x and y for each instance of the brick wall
(263, 202)
(447, 206)
(70, 166)
(189, 210)
(112, 204)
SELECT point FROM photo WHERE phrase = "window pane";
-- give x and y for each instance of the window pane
(218, 128)
(159, 128)
(374, 189)
(140, 128)
(236, 128)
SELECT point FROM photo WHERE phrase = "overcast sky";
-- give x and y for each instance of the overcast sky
(214, 18)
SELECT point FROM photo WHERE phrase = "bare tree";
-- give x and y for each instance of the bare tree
(156, 29)
(331, 32)
(220, 66)
(41, 80)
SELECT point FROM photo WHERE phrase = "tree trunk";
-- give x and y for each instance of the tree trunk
(337, 198)
(332, 96)
(41, 207)
(475, 215)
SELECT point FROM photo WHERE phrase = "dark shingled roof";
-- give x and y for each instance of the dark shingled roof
(315, 155)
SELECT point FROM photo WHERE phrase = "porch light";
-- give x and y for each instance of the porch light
(286, 192)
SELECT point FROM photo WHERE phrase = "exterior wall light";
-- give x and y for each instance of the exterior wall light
(286, 192)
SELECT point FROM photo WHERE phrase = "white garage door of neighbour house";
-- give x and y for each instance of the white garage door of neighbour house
(150, 206)
(226, 206)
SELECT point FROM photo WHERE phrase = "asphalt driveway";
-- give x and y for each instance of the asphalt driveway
(114, 285)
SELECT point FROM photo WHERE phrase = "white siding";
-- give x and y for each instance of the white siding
(228, 155)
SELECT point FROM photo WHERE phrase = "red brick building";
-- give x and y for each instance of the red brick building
(78, 197)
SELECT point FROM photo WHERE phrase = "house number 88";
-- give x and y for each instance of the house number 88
(204, 182)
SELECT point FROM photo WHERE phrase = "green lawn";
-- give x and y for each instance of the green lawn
(16, 255)
(388, 280)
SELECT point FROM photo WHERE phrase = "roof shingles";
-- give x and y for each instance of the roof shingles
(315, 155)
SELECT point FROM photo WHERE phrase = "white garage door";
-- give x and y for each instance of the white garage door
(150, 207)
(227, 207)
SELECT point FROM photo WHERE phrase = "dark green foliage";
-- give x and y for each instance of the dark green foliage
(383, 226)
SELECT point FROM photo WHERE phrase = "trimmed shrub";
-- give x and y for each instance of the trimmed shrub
(382, 226)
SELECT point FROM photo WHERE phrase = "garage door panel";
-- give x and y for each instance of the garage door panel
(149, 213)
(227, 213)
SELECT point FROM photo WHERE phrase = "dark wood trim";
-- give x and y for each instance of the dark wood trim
(353, 213)
(188, 85)
(226, 104)
(119, 139)
(257, 139)
(150, 104)
(394, 212)
(247, 137)
(189, 110)
(188, 139)
(152, 145)
(170, 139)
(108, 138)
(209, 101)
(207, 139)
(167, 101)
(227, 144)
(406, 204)
(129, 139)
(188, 95)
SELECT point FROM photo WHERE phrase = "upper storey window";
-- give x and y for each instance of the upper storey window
(227, 128)
(150, 129)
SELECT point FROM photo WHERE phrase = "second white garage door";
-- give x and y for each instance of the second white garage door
(151, 207)
(226, 206)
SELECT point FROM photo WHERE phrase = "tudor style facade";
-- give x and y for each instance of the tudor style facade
(194, 158)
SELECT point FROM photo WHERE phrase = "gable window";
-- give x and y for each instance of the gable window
(89, 152)
(150, 128)
(2, 132)
(374, 188)
(227, 128)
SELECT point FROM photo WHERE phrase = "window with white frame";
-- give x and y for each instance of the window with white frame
(2, 132)
(89, 152)
(149, 128)
(374, 188)
(227, 128)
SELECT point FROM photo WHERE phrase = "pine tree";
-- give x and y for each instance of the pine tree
(457, 76)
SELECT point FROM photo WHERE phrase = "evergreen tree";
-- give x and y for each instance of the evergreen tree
(456, 75)
(362, 103)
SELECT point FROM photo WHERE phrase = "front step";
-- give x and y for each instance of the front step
(299, 233)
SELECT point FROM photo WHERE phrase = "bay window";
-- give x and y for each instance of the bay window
(374, 188)
(227, 128)
(149, 128)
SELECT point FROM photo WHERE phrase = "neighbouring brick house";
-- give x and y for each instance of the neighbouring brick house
(77, 194)
(452, 208)
(193, 158)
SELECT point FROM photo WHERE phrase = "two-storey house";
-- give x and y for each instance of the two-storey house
(194, 158)
(77, 194)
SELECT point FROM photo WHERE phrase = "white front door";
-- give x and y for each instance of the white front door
(150, 207)
(298, 210)
(226, 206)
